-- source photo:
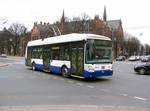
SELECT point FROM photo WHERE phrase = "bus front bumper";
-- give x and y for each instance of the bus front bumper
(96, 74)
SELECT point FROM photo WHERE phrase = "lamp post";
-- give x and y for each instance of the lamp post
(113, 44)
(10, 41)
(116, 47)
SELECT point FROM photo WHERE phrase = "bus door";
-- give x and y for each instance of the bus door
(77, 60)
(46, 58)
(29, 55)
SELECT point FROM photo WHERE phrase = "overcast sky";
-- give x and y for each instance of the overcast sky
(133, 13)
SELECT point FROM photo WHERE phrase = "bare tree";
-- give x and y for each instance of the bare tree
(147, 49)
(85, 22)
(18, 30)
(85, 16)
(5, 44)
(133, 46)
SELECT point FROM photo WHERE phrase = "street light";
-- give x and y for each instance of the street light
(113, 43)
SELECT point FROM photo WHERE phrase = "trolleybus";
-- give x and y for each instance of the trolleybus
(77, 55)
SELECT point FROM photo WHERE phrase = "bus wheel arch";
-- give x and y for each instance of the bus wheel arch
(33, 66)
(65, 71)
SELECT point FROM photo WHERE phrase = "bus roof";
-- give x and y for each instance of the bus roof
(66, 38)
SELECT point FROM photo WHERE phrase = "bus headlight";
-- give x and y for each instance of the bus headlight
(90, 68)
(110, 67)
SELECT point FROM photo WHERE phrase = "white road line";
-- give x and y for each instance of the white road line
(124, 94)
(89, 86)
(69, 81)
(79, 84)
(89, 106)
(3, 65)
(144, 99)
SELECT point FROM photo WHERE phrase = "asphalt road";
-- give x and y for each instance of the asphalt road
(20, 86)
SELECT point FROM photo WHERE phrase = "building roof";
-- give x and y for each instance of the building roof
(114, 24)
(44, 27)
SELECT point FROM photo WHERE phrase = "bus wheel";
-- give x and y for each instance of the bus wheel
(65, 72)
(33, 66)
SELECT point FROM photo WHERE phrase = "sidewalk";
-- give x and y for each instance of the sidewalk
(70, 108)
(15, 57)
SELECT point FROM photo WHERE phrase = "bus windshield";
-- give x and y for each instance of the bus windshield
(98, 51)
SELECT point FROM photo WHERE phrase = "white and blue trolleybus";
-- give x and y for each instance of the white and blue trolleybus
(77, 55)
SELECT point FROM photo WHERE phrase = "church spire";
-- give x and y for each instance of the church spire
(62, 23)
(63, 17)
(104, 15)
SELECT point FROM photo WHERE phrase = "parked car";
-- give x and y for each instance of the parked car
(132, 58)
(138, 58)
(142, 68)
(145, 58)
(3, 55)
(121, 58)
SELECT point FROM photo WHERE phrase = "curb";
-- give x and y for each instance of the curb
(3, 65)
(70, 108)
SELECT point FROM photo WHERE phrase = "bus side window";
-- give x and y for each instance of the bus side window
(55, 53)
(64, 53)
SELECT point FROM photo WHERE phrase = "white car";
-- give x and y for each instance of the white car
(132, 58)
(145, 58)
(3, 55)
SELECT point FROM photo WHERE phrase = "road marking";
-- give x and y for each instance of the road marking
(79, 84)
(69, 81)
(3, 65)
(88, 106)
(144, 99)
(124, 95)
(89, 86)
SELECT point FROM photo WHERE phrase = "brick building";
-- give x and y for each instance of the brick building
(117, 37)
(111, 28)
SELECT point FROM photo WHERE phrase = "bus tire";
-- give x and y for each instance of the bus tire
(33, 66)
(65, 72)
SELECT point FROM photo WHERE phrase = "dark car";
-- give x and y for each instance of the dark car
(121, 58)
(142, 68)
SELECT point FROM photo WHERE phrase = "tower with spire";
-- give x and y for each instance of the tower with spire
(63, 17)
(105, 15)
(62, 23)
